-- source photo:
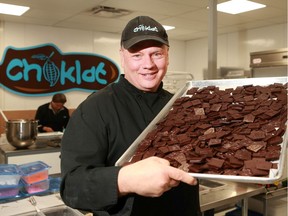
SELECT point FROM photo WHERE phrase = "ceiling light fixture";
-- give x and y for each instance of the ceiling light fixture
(15, 10)
(238, 6)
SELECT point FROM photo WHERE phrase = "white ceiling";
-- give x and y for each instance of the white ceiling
(190, 17)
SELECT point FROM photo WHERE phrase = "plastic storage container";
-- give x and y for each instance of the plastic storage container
(9, 191)
(9, 175)
(60, 211)
(34, 172)
(37, 187)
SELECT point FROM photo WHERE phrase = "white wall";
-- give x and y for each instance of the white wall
(191, 56)
(234, 49)
(68, 40)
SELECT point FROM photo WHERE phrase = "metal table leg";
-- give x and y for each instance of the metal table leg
(244, 203)
(265, 210)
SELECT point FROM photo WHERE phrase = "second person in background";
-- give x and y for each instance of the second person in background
(53, 116)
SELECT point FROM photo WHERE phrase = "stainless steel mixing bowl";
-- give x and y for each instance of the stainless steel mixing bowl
(21, 133)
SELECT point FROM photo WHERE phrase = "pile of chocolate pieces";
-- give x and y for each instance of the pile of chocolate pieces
(235, 131)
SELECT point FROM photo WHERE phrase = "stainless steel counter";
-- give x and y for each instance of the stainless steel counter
(229, 193)
(272, 194)
(213, 193)
(213, 196)
(12, 151)
(50, 205)
(37, 152)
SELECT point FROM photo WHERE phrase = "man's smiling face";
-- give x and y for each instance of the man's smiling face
(145, 64)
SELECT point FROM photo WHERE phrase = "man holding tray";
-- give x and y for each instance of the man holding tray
(106, 124)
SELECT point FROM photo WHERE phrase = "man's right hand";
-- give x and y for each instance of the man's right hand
(151, 177)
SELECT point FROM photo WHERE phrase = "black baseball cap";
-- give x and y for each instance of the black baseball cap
(143, 28)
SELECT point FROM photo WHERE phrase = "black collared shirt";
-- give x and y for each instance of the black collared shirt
(48, 118)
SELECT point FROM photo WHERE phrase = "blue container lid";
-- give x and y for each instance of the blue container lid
(33, 167)
(9, 169)
(19, 185)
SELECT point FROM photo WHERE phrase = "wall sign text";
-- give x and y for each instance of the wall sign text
(44, 69)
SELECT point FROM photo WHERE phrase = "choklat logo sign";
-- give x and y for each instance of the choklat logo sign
(44, 69)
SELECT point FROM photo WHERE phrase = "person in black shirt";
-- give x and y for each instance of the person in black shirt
(106, 124)
(53, 116)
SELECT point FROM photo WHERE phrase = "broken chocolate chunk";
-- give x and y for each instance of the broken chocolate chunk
(215, 162)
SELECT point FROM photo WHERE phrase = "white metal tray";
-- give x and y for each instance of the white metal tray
(274, 175)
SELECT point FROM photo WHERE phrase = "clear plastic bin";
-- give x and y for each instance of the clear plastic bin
(34, 172)
(9, 175)
(9, 191)
(67, 211)
(37, 187)
(58, 211)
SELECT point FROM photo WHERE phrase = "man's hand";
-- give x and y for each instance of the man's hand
(151, 177)
(47, 129)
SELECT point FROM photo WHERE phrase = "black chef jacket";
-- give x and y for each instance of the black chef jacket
(98, 133)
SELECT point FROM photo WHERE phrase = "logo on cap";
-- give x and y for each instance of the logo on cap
(145, 28)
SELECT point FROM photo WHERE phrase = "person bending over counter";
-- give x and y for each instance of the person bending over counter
(106, 124)
(53, 116)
